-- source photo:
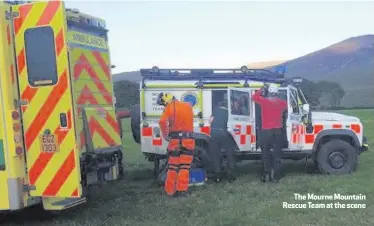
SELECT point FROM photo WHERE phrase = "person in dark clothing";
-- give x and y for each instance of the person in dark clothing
(220, 138)
(272, 109)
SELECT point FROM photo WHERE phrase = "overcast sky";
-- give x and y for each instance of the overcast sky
(223, 34)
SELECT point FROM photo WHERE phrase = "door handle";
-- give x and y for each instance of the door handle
(63, 120)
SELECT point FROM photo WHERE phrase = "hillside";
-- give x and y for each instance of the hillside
(350, 63)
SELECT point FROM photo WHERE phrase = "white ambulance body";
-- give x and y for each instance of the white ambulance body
(306, 132)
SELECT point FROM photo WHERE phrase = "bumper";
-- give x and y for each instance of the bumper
(365, 145)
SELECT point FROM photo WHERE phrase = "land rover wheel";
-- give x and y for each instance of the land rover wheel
(337, 157)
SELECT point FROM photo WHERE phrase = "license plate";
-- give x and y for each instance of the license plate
(49, 143)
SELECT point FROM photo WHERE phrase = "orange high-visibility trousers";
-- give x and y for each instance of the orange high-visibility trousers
(178, 174)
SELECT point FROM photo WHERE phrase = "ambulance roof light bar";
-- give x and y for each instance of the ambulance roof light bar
(262, 75)
(77, 17)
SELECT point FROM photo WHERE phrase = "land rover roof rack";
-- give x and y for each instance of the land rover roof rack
(262, 75)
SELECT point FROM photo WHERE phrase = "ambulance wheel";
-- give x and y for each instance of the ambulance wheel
(337, 157)
(135, 122)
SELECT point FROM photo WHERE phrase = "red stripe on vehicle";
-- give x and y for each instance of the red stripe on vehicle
(39, 165)
(61, 176)
(59, 42)
(157, 142)
(147, 132)
(243, 139)
(113, 123)
(12, 73)
(337, 126)
(29, 93)
(86, 96)
(356, 128)
(21, 61)
(248, 129)
(46, 110)
(8, 34)
(18, 21)
(85, 64)
(102, 63)
(48, 13)
(43, 159)
(96, 127)
(75, 193)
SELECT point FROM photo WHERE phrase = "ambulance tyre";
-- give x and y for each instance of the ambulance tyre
(135, 122)
(337, 157)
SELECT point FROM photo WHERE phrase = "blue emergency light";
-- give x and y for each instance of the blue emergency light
(281, 69)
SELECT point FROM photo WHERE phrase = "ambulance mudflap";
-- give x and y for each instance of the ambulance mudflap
(45, 90)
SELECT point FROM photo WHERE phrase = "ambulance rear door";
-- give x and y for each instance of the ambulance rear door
(46, 99)
(241, 122)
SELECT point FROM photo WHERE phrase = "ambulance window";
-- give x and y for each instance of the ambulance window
(217, 97)
(239, 103)
(41, 56)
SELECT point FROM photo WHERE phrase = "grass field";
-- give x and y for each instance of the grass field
(136, 200)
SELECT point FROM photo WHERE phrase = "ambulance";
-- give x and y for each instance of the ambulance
(58, 129)
(332, 140)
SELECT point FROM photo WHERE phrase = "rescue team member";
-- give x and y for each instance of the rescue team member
(220, 138)
(272, 108)
(176, 124)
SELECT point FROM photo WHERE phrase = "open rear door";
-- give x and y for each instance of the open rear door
(45, 90)
(241, 121)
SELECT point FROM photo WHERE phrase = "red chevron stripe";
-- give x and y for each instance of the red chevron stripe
(44, 157)
(23, 12)
(8, 34)
(12, 73)
(39, 165)
(102, 63)
(62, 174)
(96, 127)
(48, 13)
(60, 42)
(75, 193)
(46, 109)
(21, 61)
(86, 96)
(85, 64)
(113, 123)
(29, 93)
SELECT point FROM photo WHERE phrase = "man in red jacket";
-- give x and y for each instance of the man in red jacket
(272, 109)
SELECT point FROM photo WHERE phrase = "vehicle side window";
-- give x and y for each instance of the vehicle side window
(294, 103)
(217, 97)
(2, 156)
(283, 95)
(41, 56)
(239, 103)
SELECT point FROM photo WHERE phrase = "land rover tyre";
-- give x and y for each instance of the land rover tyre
(135, 122)
(337, 157)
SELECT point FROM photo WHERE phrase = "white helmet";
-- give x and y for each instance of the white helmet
(273, 89)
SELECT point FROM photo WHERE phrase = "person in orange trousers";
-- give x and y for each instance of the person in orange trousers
(176, 124)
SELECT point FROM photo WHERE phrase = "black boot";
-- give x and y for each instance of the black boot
(217, 177)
